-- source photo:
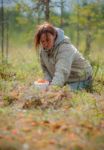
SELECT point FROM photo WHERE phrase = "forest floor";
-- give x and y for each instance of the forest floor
(56, 120)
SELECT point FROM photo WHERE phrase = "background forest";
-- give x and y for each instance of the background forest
(82, 21)
(68, 120)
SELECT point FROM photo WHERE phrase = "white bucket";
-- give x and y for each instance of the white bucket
(41, 86)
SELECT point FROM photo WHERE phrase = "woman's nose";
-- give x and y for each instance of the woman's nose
(45, 45)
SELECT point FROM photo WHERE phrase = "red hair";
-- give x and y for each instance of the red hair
(44, 28)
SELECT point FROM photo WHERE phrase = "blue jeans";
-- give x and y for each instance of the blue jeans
(86, 84)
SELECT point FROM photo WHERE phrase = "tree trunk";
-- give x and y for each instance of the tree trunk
(47, 10)
(88, 37)
(38, 17)
(7, 39)
(2, 30)
(88, 43)
(62, 11)
(78, 32)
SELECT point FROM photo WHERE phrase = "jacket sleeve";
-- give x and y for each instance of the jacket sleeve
(45, 71)
(64, 61)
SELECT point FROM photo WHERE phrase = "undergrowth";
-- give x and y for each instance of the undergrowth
(59, 119)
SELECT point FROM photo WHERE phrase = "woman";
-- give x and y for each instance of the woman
(61, 62)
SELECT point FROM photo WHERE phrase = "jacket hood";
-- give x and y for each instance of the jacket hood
(60, 36)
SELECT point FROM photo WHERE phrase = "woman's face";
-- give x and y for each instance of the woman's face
(47, 41)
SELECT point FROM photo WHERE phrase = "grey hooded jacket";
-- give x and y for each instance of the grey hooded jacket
(63, 63)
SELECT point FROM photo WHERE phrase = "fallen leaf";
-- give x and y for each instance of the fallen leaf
(73, 136)
(33, 123)
(26, 129)
(1, 136)
(52, 141)
(14, 132)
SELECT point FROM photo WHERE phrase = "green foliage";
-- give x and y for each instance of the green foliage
(5, 72)
(89, 15)
(7, 100)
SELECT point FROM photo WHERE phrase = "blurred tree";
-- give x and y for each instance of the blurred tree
(62, 4)
(62, 12)
(90, 18)
(4, 27)
(40, 6)
(87, 17)
(47, 9)
(78, 27)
